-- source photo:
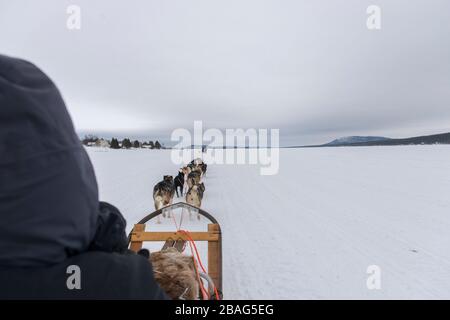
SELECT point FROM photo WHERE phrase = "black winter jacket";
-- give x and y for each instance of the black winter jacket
(50, 215)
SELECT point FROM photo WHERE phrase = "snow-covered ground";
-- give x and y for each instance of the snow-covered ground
(312, 230)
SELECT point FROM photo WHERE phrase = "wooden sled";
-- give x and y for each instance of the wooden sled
(213, 236)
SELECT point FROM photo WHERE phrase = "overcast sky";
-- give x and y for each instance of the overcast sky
(310, 68)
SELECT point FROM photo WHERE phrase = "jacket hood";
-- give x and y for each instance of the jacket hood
(48, 191)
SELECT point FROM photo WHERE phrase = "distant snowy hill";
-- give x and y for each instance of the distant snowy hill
(443, 138)
(355, 139)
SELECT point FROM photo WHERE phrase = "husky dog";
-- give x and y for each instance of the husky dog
(186, 170)
(193, 178)
(168, 179)
(179, 182)
(175, 273)
(191, 166)
(197, 161)
(198, 165)
(163, 193)
(194, 197)
(203, 167)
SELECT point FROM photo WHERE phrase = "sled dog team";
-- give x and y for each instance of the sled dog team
(188, 183)
(175, 272)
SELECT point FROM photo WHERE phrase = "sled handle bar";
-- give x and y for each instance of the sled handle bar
(176, 206)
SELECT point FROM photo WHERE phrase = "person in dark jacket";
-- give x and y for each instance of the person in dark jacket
(57, 241)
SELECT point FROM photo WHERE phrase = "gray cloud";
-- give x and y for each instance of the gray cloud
(310, 68)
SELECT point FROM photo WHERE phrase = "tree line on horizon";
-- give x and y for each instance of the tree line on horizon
(126, 143)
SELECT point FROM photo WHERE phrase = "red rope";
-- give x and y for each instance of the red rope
(188, 235)
(193, 248)
(192, 243)
(205, 293)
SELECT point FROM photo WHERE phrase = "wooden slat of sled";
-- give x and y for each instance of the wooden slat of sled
(139, 236)
(213, 236)
(215, 256)
(137, 245)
